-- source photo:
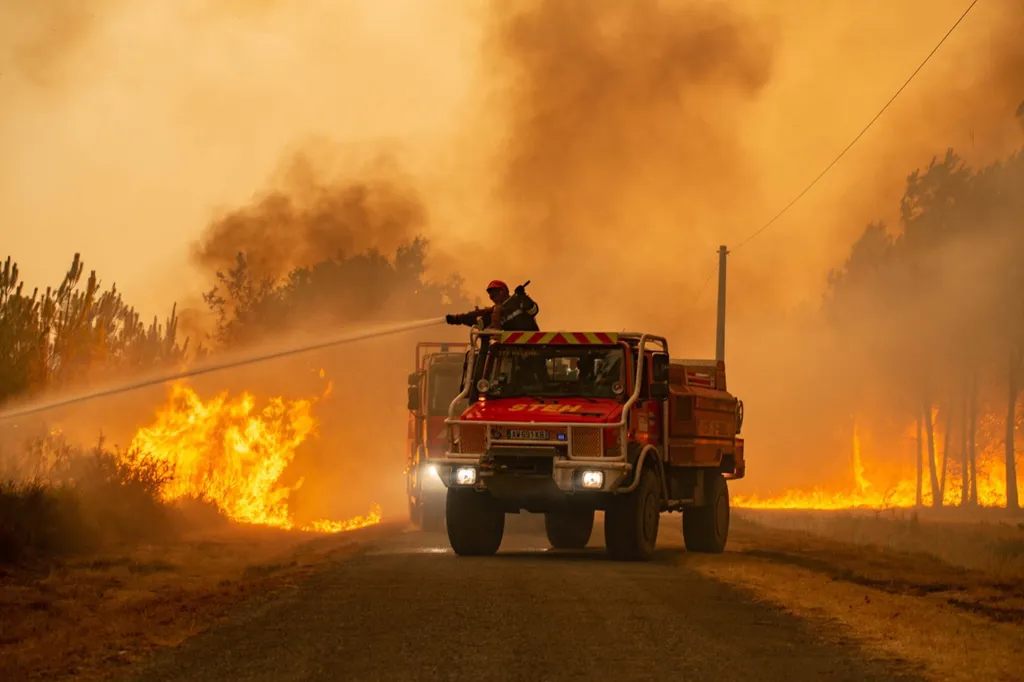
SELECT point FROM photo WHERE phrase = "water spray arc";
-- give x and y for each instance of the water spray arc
(206, 368)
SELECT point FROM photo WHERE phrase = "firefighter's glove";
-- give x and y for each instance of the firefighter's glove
(520, 290)
(451, 319)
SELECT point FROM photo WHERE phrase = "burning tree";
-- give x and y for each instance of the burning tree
(933, 317)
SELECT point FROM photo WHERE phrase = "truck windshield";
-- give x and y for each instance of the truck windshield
(556, 371)
(443, 384)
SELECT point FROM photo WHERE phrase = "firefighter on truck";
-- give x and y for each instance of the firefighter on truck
(517, 313)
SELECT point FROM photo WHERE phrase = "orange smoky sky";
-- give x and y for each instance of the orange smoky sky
(593, 138)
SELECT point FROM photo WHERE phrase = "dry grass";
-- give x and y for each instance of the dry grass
(88, 617)
(888, 587)
(986, 540)
(96, 572)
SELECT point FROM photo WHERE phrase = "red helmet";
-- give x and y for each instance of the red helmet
(497, 284)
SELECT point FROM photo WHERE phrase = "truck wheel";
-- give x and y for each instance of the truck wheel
(475, 524)
(705, 529)
(631, 522)
(569, 529)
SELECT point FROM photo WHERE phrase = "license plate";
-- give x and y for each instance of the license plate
(527, 434)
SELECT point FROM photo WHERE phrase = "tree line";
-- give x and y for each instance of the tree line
(930, 319)
(72, 331)
(80, 329)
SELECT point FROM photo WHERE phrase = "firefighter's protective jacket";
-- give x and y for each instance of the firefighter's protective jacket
(517, 314)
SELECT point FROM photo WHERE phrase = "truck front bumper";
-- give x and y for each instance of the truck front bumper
(534, 483)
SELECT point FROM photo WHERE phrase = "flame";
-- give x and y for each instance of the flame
(226, 452)
(890, 486)
(863, 485)
(325, 526)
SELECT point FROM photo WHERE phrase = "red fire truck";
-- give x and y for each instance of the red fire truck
(432, 388)
(569, 423)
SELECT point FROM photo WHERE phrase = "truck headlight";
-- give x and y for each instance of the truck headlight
(430, 471)
(465, 476)
(592, 479)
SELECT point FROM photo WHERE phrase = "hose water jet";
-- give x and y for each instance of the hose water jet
(227, 363)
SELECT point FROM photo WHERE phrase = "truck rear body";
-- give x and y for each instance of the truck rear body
(434, 384)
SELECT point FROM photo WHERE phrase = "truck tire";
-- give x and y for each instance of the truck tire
(631, 522)
(569, 529)
(706, 529)
(475, 524)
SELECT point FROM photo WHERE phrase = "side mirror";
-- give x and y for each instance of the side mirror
(659, 390)
(414, 398)
(659, 368)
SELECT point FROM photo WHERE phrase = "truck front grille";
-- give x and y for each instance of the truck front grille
(586, 443)
(472, 439)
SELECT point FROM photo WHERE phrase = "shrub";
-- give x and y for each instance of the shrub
(39, 519)
(86, 499)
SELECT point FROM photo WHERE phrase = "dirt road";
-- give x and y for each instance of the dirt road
(403, 607)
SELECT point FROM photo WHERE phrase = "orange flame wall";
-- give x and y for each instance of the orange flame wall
(889, 479)
(225, 451)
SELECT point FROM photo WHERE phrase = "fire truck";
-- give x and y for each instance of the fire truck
(570, 423)
(433, 386)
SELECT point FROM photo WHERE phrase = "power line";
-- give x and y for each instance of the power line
(705, 285)
(860, 134)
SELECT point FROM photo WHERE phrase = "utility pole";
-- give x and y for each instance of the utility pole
(720, 334)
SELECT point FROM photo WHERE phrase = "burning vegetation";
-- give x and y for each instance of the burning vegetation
(228, 453)
(244, 457)
(133, 542)
(893, 482)
(922, 342)
(222, 453)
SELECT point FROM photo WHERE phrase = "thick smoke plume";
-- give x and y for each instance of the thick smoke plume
(309, 215)
(621, 152)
